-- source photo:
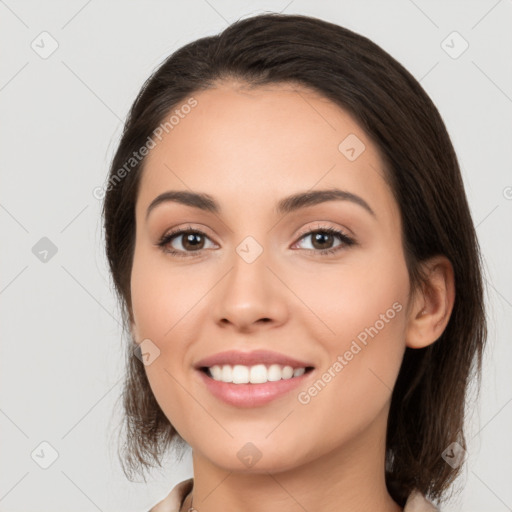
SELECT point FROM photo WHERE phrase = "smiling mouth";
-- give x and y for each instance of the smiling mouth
(254, 374)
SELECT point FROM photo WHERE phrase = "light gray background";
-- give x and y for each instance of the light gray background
(61, 352)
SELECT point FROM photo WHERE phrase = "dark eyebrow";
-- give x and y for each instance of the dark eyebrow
(195, 199)
(284, 206)
(311, 198)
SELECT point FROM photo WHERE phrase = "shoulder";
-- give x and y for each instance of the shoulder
(418, 503)
(172, 502)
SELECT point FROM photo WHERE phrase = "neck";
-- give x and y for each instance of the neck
(349, 479)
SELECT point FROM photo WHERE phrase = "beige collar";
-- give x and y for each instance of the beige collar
(174, 500)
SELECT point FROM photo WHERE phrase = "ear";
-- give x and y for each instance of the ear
(432, 305)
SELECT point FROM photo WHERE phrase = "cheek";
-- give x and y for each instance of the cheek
(343, 300)
(163, 295)
(163, 307)
(365, 308)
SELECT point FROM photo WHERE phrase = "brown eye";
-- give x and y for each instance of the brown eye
(191, 240)
(323, 238)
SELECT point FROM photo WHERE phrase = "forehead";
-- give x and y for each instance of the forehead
(244, 144)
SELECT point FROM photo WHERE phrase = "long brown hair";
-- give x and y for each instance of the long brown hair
(428, 402)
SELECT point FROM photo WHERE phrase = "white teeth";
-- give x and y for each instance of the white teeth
(216, 372)
(298, 372)
(240, 374)
(274, 373)
(287, 372)
(257, 374)
(227, 374)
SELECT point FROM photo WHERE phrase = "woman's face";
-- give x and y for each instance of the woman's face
(256, 280)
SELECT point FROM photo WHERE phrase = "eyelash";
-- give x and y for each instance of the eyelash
(167, 238)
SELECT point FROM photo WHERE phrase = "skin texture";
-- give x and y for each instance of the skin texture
(248, 148)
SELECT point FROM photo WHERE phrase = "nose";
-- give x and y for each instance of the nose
(250, 295)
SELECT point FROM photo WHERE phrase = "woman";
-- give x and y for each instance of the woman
(289, 236)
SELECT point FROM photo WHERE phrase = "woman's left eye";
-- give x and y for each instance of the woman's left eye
(195, 239)
(327, 235)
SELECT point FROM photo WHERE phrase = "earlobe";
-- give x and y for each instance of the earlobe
(433, 304)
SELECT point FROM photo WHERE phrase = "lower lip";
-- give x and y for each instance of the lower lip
(252, 395)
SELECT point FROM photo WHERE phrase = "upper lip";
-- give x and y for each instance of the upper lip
(233, 357)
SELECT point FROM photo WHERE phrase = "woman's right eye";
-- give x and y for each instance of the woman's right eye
(189, 238)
